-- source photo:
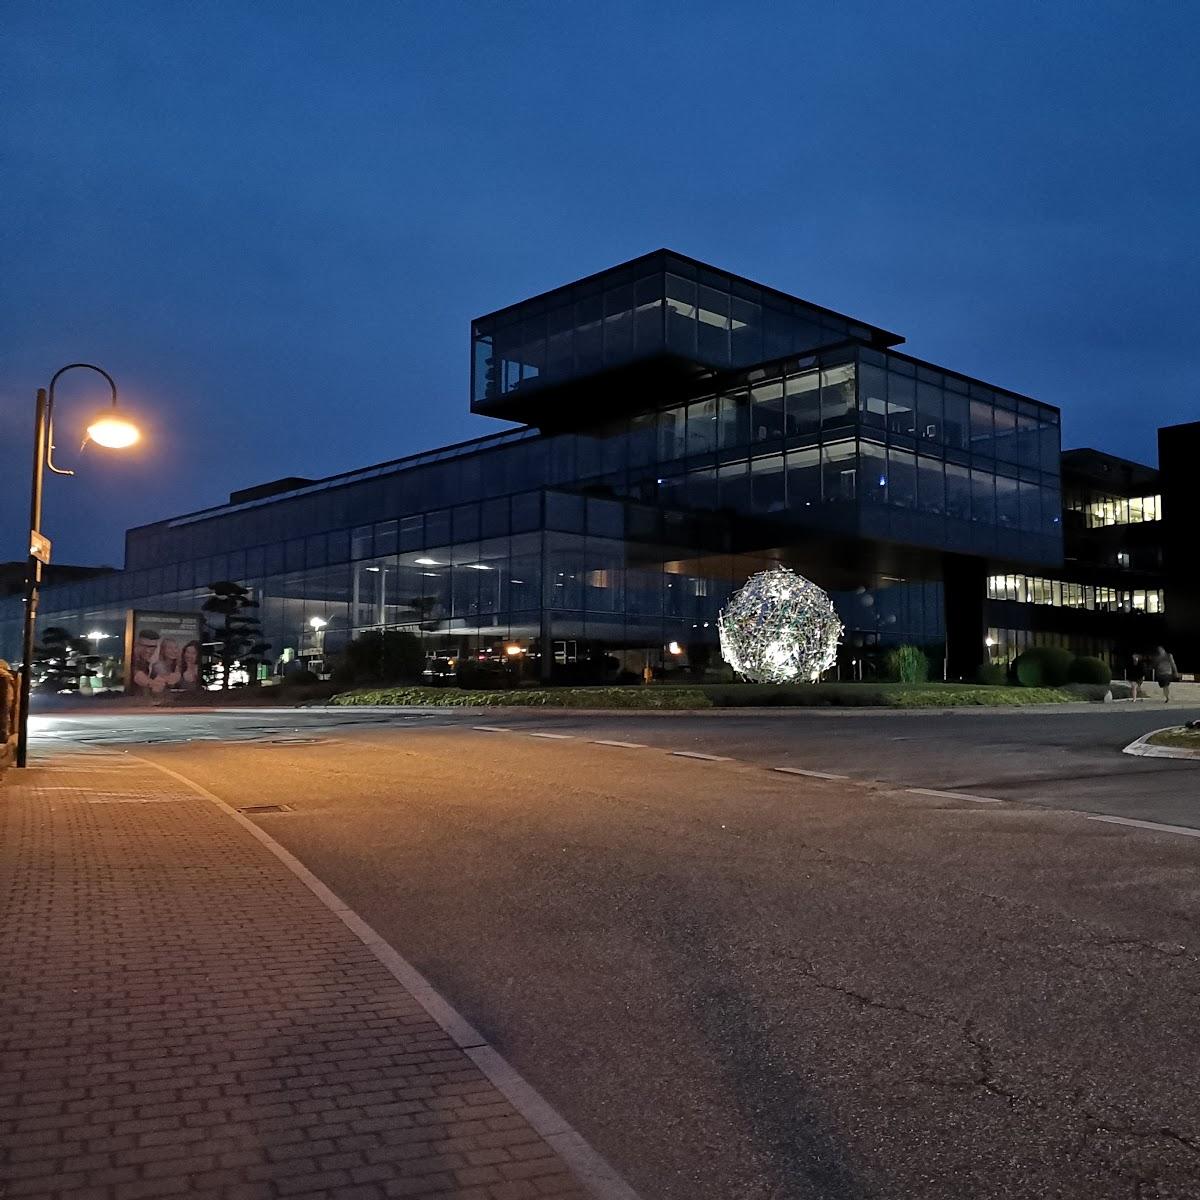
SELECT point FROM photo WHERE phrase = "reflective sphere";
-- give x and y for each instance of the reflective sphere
(779, 628)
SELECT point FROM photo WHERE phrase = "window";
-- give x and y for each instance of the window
(702, 427)
(872, 460)
(872, 396)
(702, 489)
(412, 533)
(803, 403)
(671, 435)
(929, 412)
(1100, 510)
(565, 512)
(385, 537)
(681, 315)
(902, 402)
(733, 481)
(713, 328)
(837, 397)
(618, 324)
(767, 491)
(958, 492)
(1031, 506)
(1029, 589)
(1008, 510)
(839, 472)
(648, 316)
(766, 411)
(982, 428)
(956, 422)
(1006, 435)
(734, 424)
(902, 478)
(983, 497)
(362, 542)
(931, 489)
(526, 512)
(803, 478)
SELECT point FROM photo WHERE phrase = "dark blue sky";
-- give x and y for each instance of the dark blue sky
(273, 222)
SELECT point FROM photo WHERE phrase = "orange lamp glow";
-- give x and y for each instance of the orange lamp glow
(113, 430)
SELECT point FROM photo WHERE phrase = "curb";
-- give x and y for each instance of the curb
(591, 1169)
(1144, 748)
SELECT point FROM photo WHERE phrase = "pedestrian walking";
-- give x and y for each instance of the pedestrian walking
(1165, 672)
(1135, 672)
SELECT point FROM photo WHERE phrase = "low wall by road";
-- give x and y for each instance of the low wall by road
(8, 715)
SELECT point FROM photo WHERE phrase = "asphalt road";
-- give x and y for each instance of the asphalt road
(1062, 758)
(744, 984)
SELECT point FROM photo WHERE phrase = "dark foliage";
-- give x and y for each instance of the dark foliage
(239, 636)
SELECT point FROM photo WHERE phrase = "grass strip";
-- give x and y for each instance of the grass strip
(745, 695)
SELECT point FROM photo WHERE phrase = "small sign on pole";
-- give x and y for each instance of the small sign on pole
(39, 547)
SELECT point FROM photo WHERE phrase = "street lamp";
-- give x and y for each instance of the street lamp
(110, 428)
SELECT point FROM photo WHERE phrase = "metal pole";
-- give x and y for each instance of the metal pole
(33, 576)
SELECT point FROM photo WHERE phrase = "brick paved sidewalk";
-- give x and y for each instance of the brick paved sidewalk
(182, 1016)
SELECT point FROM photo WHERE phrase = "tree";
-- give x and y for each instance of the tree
(239, 637)
(60, 659)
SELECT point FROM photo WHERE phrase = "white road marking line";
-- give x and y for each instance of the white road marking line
(593, 1171)
(623, 745)
(814, 774)
(697, 754)
(562, 737)
(955, 795)
(1148, 825)
(493, 728)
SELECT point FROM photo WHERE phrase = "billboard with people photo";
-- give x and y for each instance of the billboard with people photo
(162, 653)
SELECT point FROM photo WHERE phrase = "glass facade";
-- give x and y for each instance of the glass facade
(1100, 511)
(854, 463)
(1063, 593)
(661, 305)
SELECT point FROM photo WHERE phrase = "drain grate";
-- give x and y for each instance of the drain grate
(294, 741)
(255, 809)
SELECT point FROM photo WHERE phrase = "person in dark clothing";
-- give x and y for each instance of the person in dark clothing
(1165, 672)
(1136, 672)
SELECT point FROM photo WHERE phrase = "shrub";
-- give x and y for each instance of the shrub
(907, 664)
(1043, 666)
(992, 674)
(1090, 670)
(387, 656)
(471, 673)
(300, 678)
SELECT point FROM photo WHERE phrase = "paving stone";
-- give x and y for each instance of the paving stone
(184, 1016)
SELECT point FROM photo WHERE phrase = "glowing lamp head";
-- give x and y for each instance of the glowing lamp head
(674, 648)
(318, 622)
(112, 429)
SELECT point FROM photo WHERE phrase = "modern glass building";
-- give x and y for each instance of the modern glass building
(679, 429)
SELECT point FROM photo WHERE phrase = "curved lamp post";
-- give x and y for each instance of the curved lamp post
(111, 428)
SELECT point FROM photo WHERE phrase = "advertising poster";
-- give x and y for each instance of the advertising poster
(162, 653)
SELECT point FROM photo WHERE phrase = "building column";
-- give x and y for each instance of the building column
(965, 598)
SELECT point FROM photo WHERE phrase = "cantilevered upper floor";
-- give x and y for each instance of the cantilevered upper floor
(632, 337)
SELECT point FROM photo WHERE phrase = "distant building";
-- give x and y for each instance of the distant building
(682, 428)
(12, 575)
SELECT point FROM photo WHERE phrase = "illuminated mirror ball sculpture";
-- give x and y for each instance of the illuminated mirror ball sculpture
(779, 628)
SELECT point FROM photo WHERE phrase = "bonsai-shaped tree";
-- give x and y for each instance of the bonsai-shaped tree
(239, 637)
(60, 659)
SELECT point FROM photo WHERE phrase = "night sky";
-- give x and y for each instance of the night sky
(273, 222)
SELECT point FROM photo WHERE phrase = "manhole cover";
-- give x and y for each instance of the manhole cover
(255, 809)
